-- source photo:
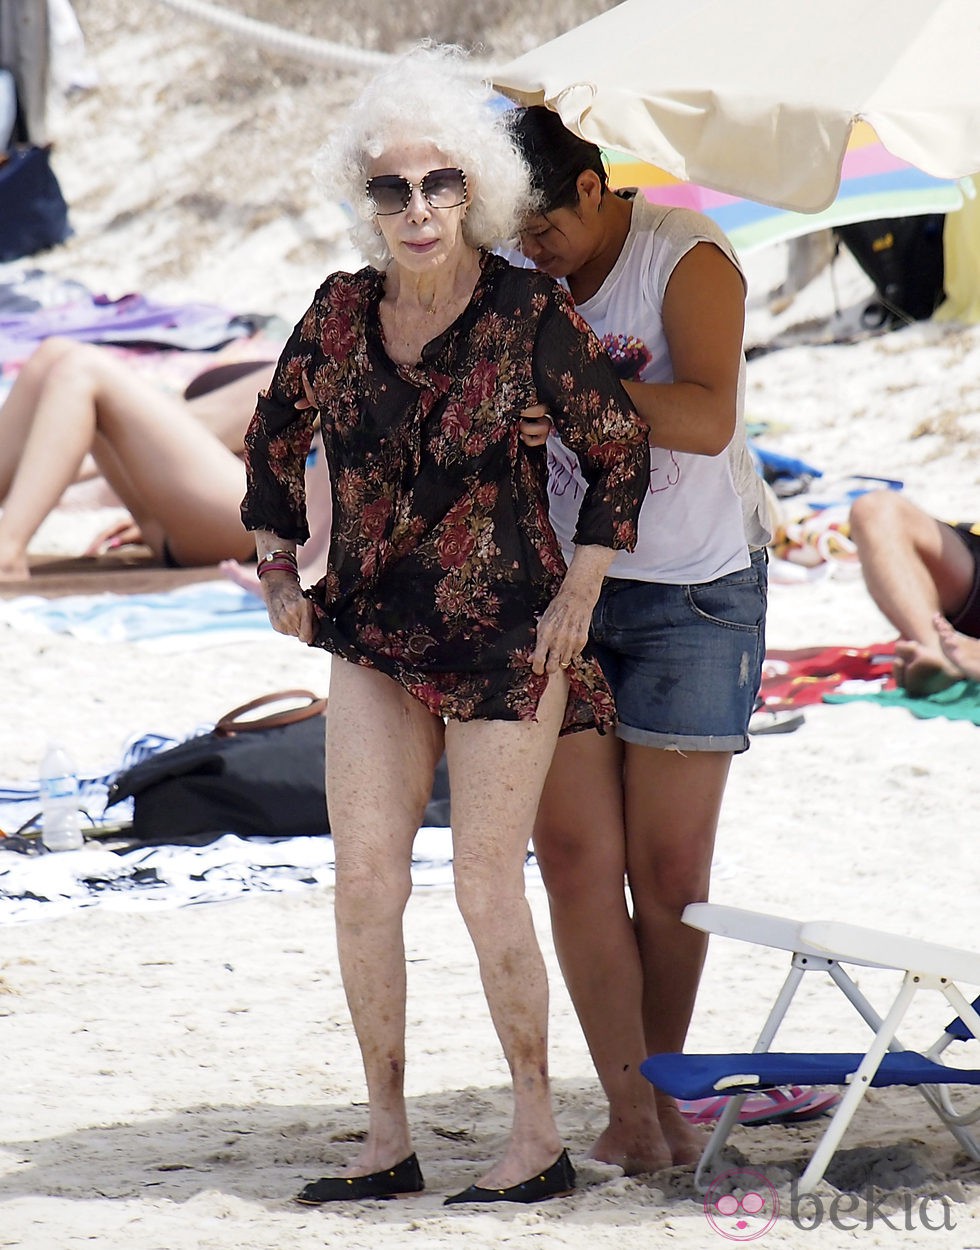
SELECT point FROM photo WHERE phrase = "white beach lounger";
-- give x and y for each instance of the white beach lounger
(824, 946)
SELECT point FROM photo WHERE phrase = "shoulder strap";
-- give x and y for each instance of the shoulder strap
(237, 720)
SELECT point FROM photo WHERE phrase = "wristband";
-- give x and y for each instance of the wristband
(279, 561)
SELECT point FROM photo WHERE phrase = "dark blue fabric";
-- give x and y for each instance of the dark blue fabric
(696, 1076)
(956, 1028)
(33, 212)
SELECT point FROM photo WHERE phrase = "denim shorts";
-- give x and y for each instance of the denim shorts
(684, 662)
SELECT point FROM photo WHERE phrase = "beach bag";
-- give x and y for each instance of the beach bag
(33, 212)
(254, 775)
(903, 257)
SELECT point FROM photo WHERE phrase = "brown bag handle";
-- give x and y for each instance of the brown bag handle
(236, 721)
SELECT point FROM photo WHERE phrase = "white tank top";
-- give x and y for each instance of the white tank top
(703, 513)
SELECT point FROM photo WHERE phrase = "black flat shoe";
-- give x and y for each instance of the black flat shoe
(403, 1178)
(556, 1182)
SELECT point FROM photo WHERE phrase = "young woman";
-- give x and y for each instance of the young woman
(678, 627)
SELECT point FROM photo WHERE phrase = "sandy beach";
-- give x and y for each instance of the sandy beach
(171, 1076)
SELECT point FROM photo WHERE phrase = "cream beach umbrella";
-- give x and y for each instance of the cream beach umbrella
(757, 98)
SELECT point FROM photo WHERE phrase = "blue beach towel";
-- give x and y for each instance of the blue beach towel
(201, 614)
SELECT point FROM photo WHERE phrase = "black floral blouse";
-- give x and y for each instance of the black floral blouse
(441, 554)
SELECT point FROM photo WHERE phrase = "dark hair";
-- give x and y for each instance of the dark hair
(555, 155)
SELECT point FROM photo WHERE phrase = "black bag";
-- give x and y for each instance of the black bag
(255, 777)
(903, 257)
(33, 212)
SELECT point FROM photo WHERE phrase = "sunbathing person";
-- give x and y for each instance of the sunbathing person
(174, 463)
(924, 575)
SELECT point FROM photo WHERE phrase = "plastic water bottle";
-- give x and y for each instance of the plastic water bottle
(61, 826)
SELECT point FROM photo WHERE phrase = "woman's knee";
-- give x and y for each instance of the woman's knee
(578, 870)
(671, 882)
(51, 353)
(877, 513)
(79, 364)
(487, 891)
(365, 893)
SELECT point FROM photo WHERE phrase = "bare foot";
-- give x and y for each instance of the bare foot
(247, 578)
(636, 1149)
(920, 670)
(962, 651)
(686, 1140)
(15, 571)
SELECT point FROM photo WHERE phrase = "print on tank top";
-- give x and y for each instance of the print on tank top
(630, 356)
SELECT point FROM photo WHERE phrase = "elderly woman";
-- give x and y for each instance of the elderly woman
(451, 617)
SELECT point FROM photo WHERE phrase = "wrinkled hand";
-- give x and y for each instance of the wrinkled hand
(563, 629)
(290, 612)
(123, 534)
(535, 425)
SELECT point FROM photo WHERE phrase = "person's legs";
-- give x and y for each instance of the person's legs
(914, 566)
(579, 841)
(497, 770)
(673, 802)
(163, 464)
(684, 663)
(17, 411)
(382, 748)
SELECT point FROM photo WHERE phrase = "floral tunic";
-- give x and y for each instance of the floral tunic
(442, 556)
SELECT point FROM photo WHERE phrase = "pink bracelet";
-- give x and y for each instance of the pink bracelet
(278, 566)
(277, 562)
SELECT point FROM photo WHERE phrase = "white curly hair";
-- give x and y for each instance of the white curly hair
(429, 95)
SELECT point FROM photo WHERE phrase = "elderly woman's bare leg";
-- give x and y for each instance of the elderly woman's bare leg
(497, 770)
(382, 748)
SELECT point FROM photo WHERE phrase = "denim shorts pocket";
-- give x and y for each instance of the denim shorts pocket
(737, 601)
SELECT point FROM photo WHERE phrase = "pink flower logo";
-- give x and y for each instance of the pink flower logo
(741, 1205)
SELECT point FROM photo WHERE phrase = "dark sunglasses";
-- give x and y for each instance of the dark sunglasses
(442, 188)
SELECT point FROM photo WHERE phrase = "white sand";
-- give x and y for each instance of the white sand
(169, 1079)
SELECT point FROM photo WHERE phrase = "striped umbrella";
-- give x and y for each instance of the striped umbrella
(874, 184)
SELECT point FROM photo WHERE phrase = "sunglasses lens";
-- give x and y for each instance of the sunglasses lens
(444, 188)
(390, 193)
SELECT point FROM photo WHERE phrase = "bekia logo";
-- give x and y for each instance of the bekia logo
(741, 1205)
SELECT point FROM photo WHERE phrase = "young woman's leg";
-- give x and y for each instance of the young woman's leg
(580, 843)
(166, 465)
(18, 408)
(673, 802)
(382, 749)
(497, 770)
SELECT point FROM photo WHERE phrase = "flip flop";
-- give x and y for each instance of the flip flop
(774, 1105)
(820, 1103)
(771, 1106)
